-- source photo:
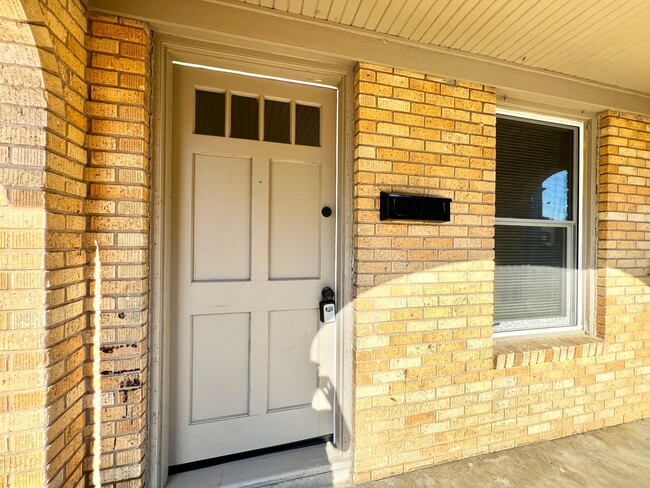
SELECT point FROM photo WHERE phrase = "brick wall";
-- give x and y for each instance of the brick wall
(118, 210)
(429, 384)
(623, 308)
(65, 190)
(43, 129)
(23, 133)
(49, 219)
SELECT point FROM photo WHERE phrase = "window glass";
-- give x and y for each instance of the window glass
(277, 121)
(307, 125)
(536, 228)
(244, 117)
(534, 178)
(210, 113)
(531, 274)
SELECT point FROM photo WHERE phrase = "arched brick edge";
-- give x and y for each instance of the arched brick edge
(42, 137)
(23, 136)
(66, 318)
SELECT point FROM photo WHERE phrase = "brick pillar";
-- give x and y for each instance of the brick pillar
(41, 223)
(65, 191)
(118, 219)
(423, 307)
(623, 307)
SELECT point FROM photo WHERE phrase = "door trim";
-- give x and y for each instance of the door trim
(167, 50)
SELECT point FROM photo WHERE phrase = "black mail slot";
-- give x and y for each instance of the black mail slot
(395, 206)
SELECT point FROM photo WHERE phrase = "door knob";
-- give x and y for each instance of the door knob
(328, 293)
(326, 211)
(327, 306)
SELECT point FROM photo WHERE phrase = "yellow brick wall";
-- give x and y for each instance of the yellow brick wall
(23, 134)
(65, 190)
(43, 313)
(623, 227)
(118, 220)
(623, 307)
(65, 90)
(429, 385)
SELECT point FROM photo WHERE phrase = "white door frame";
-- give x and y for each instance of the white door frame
(169, 49)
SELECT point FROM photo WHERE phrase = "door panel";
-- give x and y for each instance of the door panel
(222, 218)
(250, 255)
(220, 357)
(294, 223)
(293, 377)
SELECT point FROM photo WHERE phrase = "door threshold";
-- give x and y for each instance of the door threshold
(323, 462)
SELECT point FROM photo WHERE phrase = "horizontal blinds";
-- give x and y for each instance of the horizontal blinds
(534, 177)
(531, 272)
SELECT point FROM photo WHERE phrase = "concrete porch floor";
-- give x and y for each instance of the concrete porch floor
(615, 457)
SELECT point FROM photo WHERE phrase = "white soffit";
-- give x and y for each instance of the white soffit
(585, 54)
(600, 40)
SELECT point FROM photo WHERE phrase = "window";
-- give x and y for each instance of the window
(536, 232)
(245, 113)
(307, 125)
(210, 113)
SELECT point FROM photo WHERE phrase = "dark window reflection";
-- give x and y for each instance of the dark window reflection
(534, 171)
(307, 125)
(210, 113)
(277, 121)
(244, 118)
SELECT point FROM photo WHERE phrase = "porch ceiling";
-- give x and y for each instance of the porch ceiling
(605, 41)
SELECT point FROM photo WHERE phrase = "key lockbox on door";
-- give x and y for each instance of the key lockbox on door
(327, 306)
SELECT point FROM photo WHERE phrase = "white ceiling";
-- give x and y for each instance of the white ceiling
(607, 41)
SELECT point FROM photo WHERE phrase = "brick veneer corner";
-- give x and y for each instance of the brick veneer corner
(118, 174)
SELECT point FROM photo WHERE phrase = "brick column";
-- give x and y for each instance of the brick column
(66, 319)
(118, 219)
(41, 222)
(623, 307)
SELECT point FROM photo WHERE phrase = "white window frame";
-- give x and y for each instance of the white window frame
(576, 302)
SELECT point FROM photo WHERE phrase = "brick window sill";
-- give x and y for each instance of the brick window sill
(511, 352)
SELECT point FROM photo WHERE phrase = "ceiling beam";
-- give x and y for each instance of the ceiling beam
(234, 23)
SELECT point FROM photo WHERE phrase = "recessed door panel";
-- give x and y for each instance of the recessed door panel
(222, 218)
(294, 221)
(292, 373)
(220, 358)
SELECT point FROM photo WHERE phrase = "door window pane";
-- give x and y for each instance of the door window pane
(210, 113)
(534, 177)
(277, 121)
(307, 125)
(244, 117)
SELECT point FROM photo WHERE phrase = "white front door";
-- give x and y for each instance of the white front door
(252, 248)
